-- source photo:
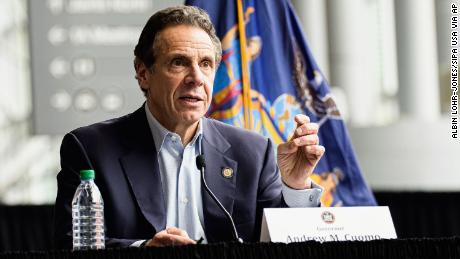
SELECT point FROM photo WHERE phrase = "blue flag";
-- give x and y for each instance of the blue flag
(267, 76)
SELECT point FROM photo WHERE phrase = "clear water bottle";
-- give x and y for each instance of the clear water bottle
(88, 214)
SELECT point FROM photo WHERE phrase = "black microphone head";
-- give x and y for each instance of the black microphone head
(200, 162)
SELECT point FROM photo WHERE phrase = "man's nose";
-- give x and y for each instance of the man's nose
(195, 76)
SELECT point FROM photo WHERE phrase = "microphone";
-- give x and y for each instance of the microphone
(201, 165)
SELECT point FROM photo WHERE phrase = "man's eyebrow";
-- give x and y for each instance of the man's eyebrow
(211, 57)
(184, 55)
(179, 55)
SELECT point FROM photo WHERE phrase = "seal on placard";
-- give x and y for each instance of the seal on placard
(328, 217)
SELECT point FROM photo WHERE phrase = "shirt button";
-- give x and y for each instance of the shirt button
(173, 138)
(185, 200)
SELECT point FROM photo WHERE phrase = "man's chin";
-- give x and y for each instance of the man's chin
(191, 118)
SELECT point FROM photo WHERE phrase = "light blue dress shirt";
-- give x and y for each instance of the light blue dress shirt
(181, 181)
(180, 178)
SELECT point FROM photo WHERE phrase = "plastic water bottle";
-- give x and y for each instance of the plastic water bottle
(88, 214)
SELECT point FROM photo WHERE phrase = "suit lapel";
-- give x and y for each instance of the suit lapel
(217, 227)
(140, 165)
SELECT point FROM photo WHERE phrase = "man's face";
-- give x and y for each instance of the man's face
(180, 85)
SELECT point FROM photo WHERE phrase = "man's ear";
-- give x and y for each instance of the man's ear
(143, 75)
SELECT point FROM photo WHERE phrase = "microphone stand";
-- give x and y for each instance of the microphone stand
(201, 164)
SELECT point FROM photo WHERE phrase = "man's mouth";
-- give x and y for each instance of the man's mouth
(191, 98)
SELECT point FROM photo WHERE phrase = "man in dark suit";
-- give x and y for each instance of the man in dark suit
(144, 161)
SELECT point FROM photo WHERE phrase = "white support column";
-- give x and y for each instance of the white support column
(387, 41)
(388, 61)
(354, 62)
(312, 14)
(417, 59)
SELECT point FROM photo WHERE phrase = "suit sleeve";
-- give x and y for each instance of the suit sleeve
(73, 159)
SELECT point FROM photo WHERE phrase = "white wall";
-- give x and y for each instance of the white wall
(409, 155)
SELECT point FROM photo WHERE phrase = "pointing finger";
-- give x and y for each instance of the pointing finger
(301, 119)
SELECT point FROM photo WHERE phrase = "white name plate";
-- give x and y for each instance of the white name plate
(325, 224)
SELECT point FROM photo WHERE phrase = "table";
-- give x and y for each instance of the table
(397, 248)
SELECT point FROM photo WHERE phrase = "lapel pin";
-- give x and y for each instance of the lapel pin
(227, 172)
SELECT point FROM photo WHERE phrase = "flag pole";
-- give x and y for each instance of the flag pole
(244, 67)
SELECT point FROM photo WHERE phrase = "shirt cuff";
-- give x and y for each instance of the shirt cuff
(138, 243)
(303, 198)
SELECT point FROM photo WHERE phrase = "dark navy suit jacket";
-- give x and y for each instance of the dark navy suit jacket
(123, 155)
